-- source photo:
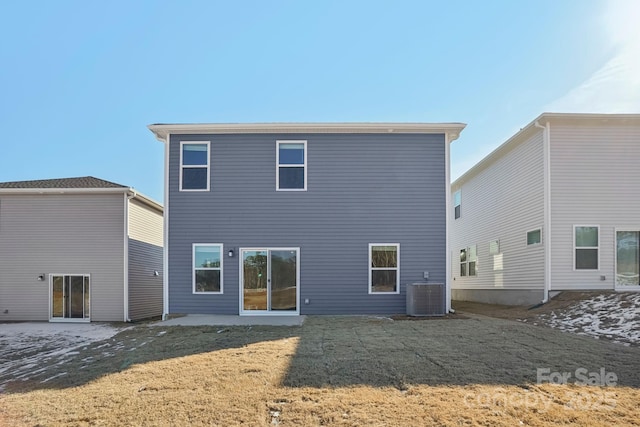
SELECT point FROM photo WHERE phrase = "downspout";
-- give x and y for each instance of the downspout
(130, 194)
(448, 138)
(546, 152)
(165, 232)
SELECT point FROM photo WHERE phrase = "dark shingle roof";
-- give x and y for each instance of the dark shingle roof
(80, 182)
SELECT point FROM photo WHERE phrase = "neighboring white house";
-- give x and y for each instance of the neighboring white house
(79, 249)
(554, 208)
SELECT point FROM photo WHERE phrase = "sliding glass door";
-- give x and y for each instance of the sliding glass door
(69, 297)
(627, 259)
(269, 280)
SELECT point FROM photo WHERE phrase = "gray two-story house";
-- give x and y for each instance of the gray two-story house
(304, 218)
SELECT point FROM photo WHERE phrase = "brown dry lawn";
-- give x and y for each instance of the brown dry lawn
(345, 371)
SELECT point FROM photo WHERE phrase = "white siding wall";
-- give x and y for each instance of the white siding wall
(595, 177)
(503, 202)
(145, 257)
(65, 234)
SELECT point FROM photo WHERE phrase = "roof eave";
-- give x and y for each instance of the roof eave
(122, 190)
(162, 130)
(146, 200)
(541, 119)
(114, 190)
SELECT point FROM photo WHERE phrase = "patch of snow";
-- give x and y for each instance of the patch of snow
(25, 346)
(615, 316)
(53, 377)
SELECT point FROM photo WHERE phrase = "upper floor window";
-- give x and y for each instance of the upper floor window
(291, 165)
(586, 247)
(456, 204)
(194, 166)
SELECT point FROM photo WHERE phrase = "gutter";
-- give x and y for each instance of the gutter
(546, 149)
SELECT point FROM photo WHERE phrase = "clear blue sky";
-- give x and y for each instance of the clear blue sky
(81, 80)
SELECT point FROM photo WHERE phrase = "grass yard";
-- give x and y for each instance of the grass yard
(351, 371)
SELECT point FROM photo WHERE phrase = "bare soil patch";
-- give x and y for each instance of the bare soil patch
(346, 371)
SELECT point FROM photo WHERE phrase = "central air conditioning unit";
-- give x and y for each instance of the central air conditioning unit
(426, 299)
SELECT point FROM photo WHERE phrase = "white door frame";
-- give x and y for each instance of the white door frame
(69, 319)
(615, 259)
(244, 312)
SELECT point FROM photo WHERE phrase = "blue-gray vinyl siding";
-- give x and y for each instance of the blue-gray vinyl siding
(362, 188)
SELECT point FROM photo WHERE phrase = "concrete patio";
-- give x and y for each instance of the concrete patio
(231, 320)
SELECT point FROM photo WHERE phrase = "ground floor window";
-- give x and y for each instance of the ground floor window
(468, 261)
(473, 260)
(384, 261)
(207, 268)
(534, 237)
(586, 247)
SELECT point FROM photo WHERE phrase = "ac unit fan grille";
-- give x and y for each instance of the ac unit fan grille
(426, 299)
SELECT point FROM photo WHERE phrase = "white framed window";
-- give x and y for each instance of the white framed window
(384, 268)
(463, 262)
(494, 247)
(468, 261)
(586, 247)
(194, 165)
(291, 165)
(473, 261)
(534, 237)
(457, 200)
(207, 268)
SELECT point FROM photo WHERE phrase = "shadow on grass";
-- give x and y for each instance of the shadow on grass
(353, 351)
(378, 352)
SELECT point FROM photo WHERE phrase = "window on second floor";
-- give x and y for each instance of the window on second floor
(291, 165)
(456, 204)
(194, 166)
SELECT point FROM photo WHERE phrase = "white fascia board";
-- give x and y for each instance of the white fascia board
(146, 200)
(137, 195)
(542, 119)
(162, 130)
(585, 117)
(505, 147)
(64, 190)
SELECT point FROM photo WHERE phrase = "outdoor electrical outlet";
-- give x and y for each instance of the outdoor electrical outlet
(425, 275)
(306, 300)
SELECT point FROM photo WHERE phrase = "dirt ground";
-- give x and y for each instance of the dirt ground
(519, 312)
(604, 315)
(469, 370)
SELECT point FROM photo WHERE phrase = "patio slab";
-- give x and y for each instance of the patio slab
(231, 320)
